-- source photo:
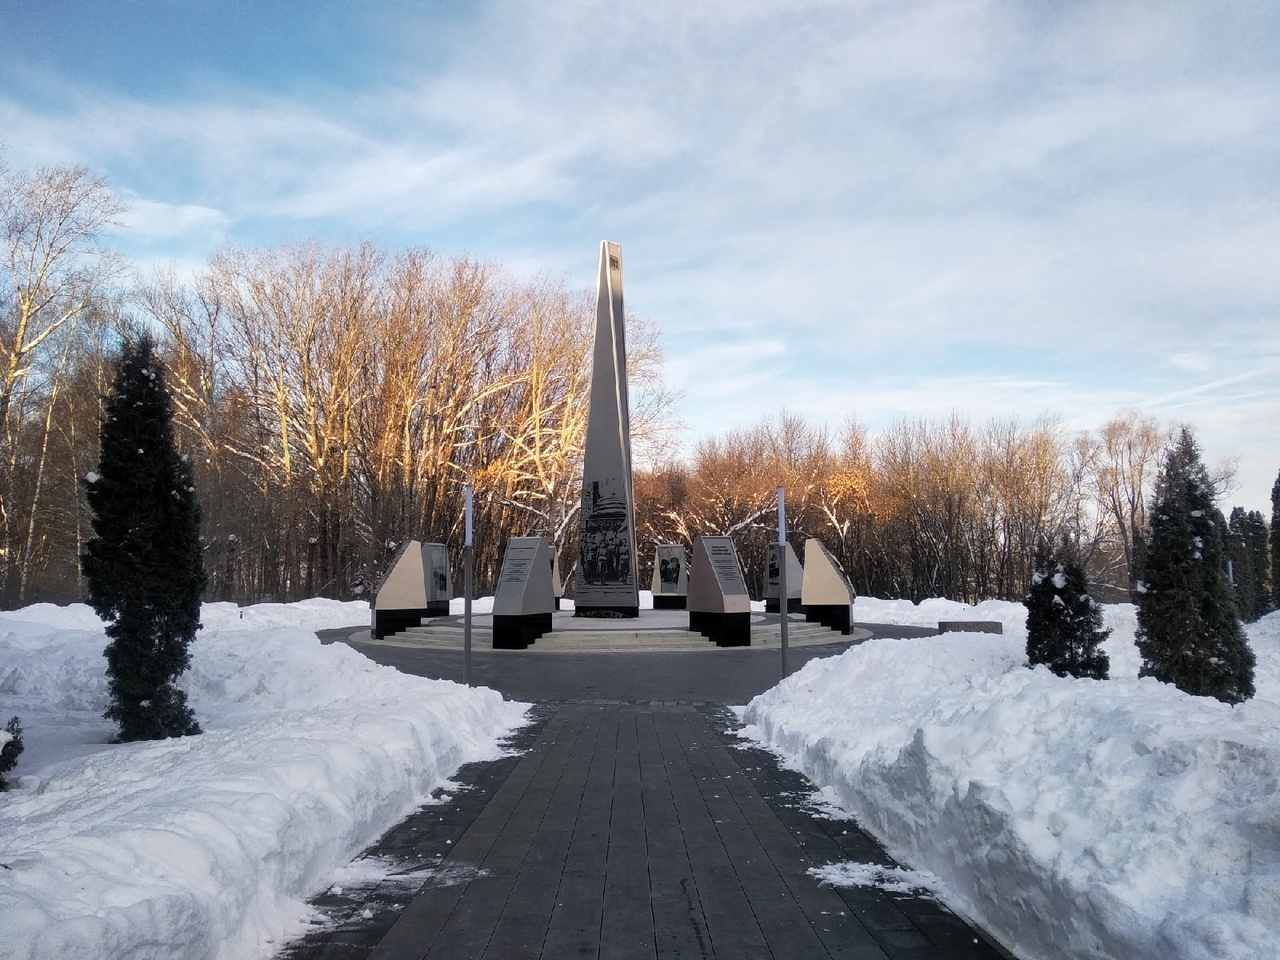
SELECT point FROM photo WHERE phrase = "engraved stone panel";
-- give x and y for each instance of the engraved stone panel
(719, 606)
(795, 578)
(670, 582)
(523, 601)
(439, 578)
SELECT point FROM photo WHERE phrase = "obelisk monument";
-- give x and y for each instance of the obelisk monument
(606, 579)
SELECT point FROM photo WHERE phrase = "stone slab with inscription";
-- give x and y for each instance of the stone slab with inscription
(827, 595)
(670, 582)
(795, 579)
(719, 605)
(439, 578)
(524, 600)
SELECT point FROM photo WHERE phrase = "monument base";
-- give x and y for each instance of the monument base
(517, 632)
(438, 608)
(723, 629)
(557, 603)
(835, 616)
(607, 613)
(793, 605)
(669, 602)
(386, 622)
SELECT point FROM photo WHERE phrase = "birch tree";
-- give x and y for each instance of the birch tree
(56, 268)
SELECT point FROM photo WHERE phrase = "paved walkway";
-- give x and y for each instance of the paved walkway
(729, 675)
(630, 829)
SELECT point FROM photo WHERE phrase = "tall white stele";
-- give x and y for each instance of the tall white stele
(606, 576)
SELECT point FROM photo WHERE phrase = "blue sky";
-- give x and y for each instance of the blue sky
(884, 209)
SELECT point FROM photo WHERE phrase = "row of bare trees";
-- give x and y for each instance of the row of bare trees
(925, 508)
(340, 398)
(335, 399)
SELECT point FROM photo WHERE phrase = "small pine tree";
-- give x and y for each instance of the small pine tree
(1064, 623)
(10, 750)
(143, 567)
(1188, 633)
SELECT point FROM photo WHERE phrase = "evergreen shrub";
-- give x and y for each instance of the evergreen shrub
(143, 566)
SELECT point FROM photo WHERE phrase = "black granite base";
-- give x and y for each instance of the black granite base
(557, 603)
(607, 612)
(722, 629)
(793, 605)
(669, 601)
(517, 632)
(438, 608)
(387, 622)
(835, 617)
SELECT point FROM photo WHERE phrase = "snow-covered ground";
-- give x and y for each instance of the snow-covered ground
(1072, 818)
(208, 846)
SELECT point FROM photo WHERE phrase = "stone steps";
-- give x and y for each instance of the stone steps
(800, 633)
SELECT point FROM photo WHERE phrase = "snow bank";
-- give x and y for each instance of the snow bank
(208, 846)
(927, 613)
(1115, 819)
(315, 614)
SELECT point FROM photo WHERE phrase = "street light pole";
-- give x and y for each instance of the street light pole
(783, 604)
(467, 562)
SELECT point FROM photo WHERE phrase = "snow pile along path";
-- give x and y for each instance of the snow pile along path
(207, 846)
(1118, 819)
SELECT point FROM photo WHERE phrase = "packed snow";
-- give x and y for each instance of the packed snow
(891, 879)
(1071, 818)
(209, 846)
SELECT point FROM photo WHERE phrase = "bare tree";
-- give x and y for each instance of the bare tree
(1123, 460)
(55, 269)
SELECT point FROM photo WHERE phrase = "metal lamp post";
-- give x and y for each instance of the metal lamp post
(783, 607)
(467, 561)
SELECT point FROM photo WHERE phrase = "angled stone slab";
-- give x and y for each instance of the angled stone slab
(606, 579)
(523, 601)
(826, 594)
(719, 605)
(557, 584)
(795, 579)
(670, 583)
(400, 600)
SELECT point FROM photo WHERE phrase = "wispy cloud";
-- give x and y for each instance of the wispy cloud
(898, 208)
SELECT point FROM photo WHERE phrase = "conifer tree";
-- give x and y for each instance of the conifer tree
(1275, 543)
(143, 567)
(1188, 633)
(1259, 550)
(1064, 623)
(10, 748)
(1247, 551)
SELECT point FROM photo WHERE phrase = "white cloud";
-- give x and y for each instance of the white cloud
(1191, 360)
(150, 220)
(896, 209)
